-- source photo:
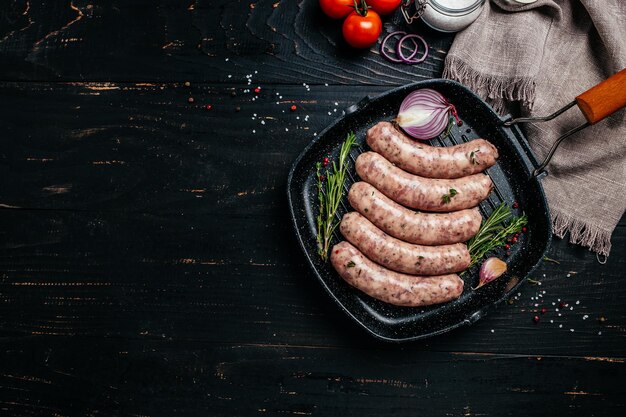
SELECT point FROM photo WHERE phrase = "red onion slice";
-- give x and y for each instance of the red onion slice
(386, 54)
(410, 60)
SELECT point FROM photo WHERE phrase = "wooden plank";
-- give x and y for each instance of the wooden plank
(241, 279)
(129, 209)
(154, 377)
(170, 40)
(100, 145)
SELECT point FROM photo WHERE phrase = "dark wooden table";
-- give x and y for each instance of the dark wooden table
(148, 265)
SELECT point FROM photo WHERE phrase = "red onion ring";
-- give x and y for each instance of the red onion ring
(410, 60)
(384, 53)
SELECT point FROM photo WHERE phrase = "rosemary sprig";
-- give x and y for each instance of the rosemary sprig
(494, 232)
(330, 199)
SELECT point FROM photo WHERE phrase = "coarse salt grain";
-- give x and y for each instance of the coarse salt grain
(599, 333)
(551, 321)
(559, 314)
(262, 122)
(286, 129)
(230, 76)
(336, 104)
(560, 326)
(571, 308)
(226, 59)
(577, 302)
(253, 131)
(571, 330)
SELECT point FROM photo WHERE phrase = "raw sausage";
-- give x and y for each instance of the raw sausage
(422, 193)
(401, 256)
(389, 286)
(411, 226)
(431, 161)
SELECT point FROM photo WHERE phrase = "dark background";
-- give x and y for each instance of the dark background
(147, 263)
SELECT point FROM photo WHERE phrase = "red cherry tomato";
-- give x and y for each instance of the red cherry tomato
(337, 9)
(362, 31)
(384, 6)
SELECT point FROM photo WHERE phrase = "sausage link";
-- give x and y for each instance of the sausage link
(401, 256)
(389, 286)
(411, 226)
(431, 161)
(440, 195)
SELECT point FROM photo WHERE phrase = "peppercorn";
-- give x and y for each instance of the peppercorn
(602, 319)
(514, 239)
(233, 93)
(208, 107)
(187, 84)
(515, 205)
(237, 109)
(293, 108)
(544, 310)
(524, 229)
(190, 100)
(562, 304)
(536, 319)
(507, 246)
(257, 90)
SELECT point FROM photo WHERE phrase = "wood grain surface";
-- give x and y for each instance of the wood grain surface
(148, 266)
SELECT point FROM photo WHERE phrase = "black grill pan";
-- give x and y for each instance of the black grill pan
(513, 183)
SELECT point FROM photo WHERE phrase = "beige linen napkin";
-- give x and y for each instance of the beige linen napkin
(531, 59)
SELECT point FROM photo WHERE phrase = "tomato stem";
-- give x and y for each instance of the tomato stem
(361, 11)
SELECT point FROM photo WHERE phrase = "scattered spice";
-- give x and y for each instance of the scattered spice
(554, 261)
(233, 93)
(237, 109)
(602, 319)
(446, 197)
(350, 264)
(190, 100)
(187, 84)
(473, 157)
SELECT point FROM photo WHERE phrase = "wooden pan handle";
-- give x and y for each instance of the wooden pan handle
(604, 99)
